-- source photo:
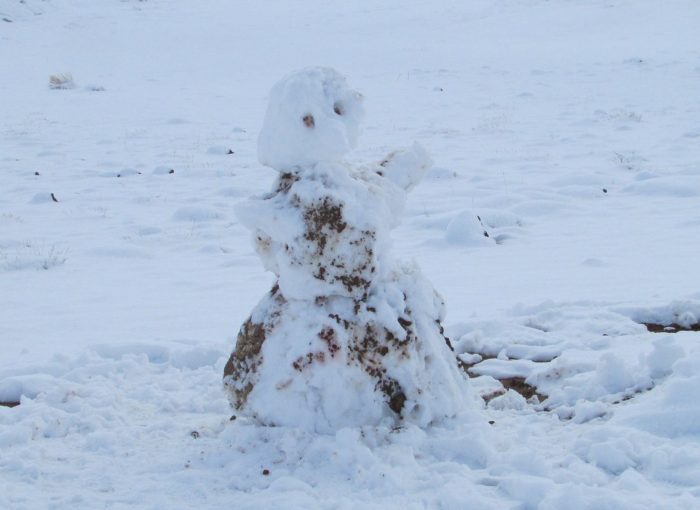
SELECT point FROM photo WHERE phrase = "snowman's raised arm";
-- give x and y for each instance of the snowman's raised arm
(406, 167)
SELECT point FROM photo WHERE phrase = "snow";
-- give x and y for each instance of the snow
(569, 128)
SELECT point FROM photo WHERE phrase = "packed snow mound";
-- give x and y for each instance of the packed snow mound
(466, 228)
(312, 115)
(347, 336)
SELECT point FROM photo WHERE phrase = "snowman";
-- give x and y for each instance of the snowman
(347, 336)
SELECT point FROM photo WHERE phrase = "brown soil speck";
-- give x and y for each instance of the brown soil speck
(329, 338)
(309, 121)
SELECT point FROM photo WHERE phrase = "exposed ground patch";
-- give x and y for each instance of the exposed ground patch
(514, 383)
(670, 328)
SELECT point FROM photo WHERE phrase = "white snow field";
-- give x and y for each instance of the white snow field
(568, 130)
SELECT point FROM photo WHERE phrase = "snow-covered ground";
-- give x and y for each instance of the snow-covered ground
(570, 128)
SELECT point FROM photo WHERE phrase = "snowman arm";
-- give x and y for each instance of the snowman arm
(406, 167)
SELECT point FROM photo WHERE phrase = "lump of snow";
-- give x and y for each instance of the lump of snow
(687, 319)
(660, 361)
(614, 375)
(614, 455)
(677, 315)
(509, 400)
(467, 229)
(13, 389)
(62, 81)
(416, 160)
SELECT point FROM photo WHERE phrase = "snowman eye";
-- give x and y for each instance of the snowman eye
(338, 109)
(308, 120)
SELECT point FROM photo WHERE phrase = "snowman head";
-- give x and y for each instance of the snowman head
(313, 115)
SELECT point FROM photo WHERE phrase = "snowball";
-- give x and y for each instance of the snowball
(313, 115)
